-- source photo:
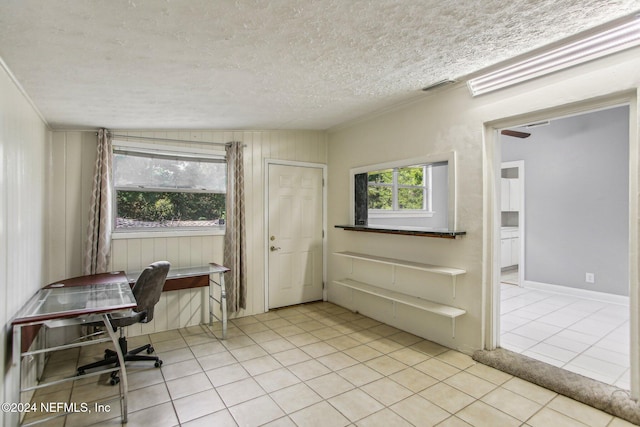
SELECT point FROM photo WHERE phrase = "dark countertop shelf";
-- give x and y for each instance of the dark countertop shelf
(443, 234)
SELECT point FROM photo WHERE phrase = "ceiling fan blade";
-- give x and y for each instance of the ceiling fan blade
(515, 133)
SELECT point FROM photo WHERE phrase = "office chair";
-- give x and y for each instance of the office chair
(146, 291)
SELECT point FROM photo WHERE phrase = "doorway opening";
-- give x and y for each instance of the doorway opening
(565, 274)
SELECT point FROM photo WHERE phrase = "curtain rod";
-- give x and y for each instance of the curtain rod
(113, 135)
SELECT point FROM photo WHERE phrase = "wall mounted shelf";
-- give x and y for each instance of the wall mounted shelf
(443, 234)
(402, 298)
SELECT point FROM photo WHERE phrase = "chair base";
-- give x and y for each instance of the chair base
(111, 358)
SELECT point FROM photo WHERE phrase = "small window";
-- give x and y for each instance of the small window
(411, 194)
(162, 189)
(400, 189)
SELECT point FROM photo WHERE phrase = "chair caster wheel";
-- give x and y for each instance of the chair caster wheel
(114, 380)
(158, 363)
(150, 350)
(81, 372)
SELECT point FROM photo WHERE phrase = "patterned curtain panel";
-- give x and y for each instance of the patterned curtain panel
(98, 244)
(235, 235)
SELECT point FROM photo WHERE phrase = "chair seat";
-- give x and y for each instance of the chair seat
(120, 320)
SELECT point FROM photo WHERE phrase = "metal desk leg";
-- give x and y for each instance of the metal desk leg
(223, 306)
(223, 298)
(124, 387)
(211, 299)
(14, 418)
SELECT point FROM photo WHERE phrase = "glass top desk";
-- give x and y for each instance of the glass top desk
(211, 275)
(75, 301)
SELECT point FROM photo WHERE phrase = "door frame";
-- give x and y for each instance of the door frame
(265, 242)
(491, 218)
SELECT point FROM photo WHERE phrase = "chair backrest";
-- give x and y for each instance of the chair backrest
(148, 287)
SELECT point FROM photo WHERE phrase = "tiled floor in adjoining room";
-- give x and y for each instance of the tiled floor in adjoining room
(581, 335)
(315, 364)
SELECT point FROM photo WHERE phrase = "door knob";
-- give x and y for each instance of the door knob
(275, 248)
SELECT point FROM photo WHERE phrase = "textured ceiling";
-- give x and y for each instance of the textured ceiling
(303, 64)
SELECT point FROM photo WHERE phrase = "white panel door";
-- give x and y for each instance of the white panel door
(295, 235)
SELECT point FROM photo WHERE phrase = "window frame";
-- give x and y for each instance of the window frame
(173, 151)
(396, 211)
(449, 187)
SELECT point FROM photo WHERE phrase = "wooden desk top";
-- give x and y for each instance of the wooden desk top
(92, 279)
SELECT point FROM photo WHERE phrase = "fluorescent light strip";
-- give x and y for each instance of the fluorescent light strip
(607, 42)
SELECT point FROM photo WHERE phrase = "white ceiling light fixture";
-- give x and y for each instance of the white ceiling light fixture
(624, 35)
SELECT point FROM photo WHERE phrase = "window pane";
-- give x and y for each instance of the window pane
(411, 175)
(380, 197)
(381, 177)
(410, 198)
(160, 173)
(142, 209)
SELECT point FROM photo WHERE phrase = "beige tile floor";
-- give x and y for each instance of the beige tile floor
(584, 336)
(312, 365)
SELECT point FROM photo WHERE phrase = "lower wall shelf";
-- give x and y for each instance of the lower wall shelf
(398, 297)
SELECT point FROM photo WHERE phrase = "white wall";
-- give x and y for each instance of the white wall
(444, 121)
(426, 128)
(24, 150)
(73, 157)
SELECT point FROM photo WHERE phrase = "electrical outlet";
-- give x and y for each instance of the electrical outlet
(590, 278)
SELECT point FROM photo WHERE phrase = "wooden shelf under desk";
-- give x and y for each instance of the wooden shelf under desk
(181, 278)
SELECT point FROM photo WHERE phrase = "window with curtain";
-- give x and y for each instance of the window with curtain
(163, 188)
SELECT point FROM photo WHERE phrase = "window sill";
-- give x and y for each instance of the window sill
(400, 214)
(407, 231)
(144, 234)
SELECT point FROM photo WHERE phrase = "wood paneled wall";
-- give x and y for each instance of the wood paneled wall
(72, 169)
(24, 150)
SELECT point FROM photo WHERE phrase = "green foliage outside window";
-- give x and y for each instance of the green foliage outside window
(412, 175)
(410, 198)
(381, 177)
(410, 192)
(168, 189)
(380, 197)
(167, 206)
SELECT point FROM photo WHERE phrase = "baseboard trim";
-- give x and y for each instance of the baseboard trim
(581, 293)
